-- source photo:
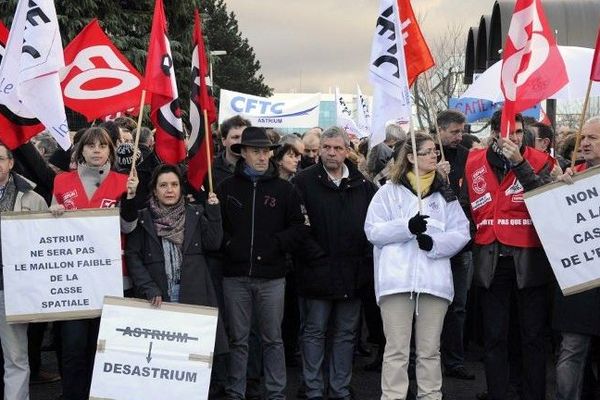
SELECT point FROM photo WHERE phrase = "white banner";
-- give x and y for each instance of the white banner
(279, 111)
(566, 220)
(363, 113)
(59, 268)
(29, 82)
(344, 115)
(153, 353)
(387, 73)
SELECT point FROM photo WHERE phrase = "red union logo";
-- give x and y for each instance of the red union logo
(97, 81)
(526, 32)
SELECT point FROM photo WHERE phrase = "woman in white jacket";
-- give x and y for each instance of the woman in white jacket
(411, 252)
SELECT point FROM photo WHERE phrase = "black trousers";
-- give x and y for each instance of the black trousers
(532, 313)
(78, 344)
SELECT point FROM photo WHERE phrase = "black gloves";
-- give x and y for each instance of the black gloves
(425, 242)
(418, 223)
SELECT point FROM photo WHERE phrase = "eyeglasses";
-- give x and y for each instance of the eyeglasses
(429, 152)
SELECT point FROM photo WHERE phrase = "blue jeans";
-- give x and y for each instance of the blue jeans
(344, 316)
(453, 352)
(242, 296)
(570, 365)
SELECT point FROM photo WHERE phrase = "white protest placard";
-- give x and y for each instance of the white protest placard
(153, 353)
(60, 268)
(279, 111)
(567, 220)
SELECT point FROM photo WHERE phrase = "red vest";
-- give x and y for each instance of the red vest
(69, 191)
(498, 209)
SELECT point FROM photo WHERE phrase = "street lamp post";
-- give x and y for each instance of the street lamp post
(214, 53)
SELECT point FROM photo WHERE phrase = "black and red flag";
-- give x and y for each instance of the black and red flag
(160, 84)
(200, 102)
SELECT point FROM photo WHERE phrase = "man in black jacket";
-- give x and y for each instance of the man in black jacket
(262, 221)
(451, 126)
(224, 163)
(576, 316)
(336, 196)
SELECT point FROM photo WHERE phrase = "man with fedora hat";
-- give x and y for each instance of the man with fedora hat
(262, 221)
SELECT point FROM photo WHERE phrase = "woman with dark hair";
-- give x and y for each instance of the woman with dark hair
(166, 252)
(92, 185)
(413, 240)
(287, 157)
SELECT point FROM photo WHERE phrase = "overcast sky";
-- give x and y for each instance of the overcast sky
(314, 45)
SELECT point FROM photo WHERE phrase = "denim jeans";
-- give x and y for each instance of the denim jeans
(570, 365)
(243, 295)
(343, 316)
(453, 352)
(16, 363)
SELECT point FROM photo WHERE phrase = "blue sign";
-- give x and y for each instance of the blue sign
(476, 109)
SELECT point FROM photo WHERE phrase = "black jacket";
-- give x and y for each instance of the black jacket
(337, 215)
(457, 157)
(146, 260)
(262, 220)
(577, 313)
(220, 169)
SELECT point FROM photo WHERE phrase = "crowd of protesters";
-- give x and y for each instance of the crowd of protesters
(307, 237)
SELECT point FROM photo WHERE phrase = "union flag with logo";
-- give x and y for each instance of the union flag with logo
(98, 80)
(532, 67)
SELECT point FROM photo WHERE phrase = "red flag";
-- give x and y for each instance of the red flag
(417, 54)
(15, 129)
(532, 67)
(98, 80)
(595, 74)
(200, 101)
(160, 83)
(3, 38)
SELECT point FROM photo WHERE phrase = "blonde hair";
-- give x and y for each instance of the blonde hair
(401, 165)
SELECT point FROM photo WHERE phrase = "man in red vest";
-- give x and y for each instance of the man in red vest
(508, 257)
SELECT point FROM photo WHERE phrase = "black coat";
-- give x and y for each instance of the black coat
(577, 313)
(262, 221)
(146, 260)
(339, 259)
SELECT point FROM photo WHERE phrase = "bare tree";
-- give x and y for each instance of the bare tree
(433, 90)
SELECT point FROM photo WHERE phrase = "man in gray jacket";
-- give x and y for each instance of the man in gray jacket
(16, 194)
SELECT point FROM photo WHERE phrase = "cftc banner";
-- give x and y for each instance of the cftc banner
(279, 111)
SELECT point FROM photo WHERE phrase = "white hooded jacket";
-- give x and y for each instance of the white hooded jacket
(400, 266)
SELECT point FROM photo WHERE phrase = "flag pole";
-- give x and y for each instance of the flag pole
(137, 133)
(581, 122)
(416, 166)
(208, 158)
(430, 101)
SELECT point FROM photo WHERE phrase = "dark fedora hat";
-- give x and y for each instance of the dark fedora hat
(254, 136)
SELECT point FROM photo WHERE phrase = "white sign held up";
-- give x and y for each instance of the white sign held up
(567, 220)
(153, 353)
(60, 268)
